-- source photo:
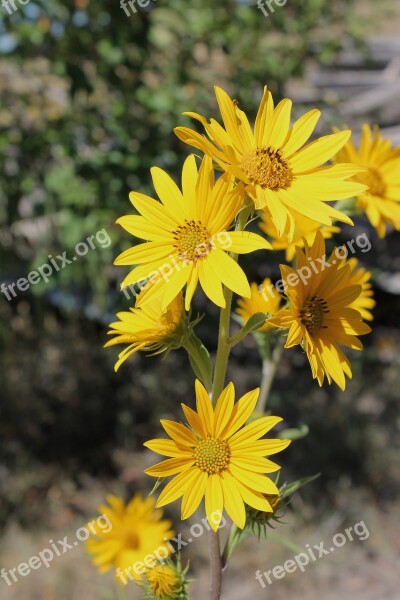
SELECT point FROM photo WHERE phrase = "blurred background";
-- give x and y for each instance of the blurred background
(89, 98)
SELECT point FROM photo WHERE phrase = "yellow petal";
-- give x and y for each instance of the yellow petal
(278, 125)
(255, 430)
(254, 499)
(214, 501)
(166, 448)
(240, 413)
(176, 487)
(223, 409)
(233, 502)
(153, 211)
(243, 242)
(193, 495)
(222, 266)
(148, 252)
(194, 421)
(254, 481)
(178, 432)
(204, 408)
(169, 193)
(300, 132)
(318, 152)
(257, 464)
(211, 285)
(171, 466)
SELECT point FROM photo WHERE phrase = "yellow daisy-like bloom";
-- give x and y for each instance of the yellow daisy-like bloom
(218, 457)
(278, 172)
(137, 530)
(304, 229)
(381, 202)
(259, 303)
(148, 328)
(320, 314)
(163, 581)
(365, 302)
(188, 242)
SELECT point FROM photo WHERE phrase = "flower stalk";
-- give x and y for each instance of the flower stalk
(221, 363)
(269, 368)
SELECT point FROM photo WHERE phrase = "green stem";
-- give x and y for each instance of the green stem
(223, 349)
(269, 368)
(221, 363)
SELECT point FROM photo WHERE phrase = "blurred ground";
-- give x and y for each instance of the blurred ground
(359, 570)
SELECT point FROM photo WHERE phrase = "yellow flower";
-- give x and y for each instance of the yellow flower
(365, 301)
(218, 457)
(381, 202)
(259, 303)
(148, 328)
(137, 530)
(164, 581)
(304, 228)
(188, 241)
(278, 172)
(319, 315)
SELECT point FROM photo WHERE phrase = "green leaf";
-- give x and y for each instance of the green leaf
(155, 486)
(255, 321)
(272, 537)
(108, 595)
(295, 433)
(199, 359)
(288, 489)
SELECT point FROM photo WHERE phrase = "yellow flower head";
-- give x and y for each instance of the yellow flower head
(365, 302)
(381, 202)
(137, 530)
(320, 315)
(187, 235)
(259, 303)
(148, 328)
(164, 582)
(278, 171)
(218, 457)
(304, 229)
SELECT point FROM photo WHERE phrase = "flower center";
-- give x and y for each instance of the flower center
(312, 314)
(372, 178)
(212, 455)
(131, 540)
(192, 241)
(267, 168)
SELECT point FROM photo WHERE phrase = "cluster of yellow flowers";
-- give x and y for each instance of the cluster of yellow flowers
(192, 237)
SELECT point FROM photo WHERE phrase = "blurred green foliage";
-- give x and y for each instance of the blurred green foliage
(90, 98)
